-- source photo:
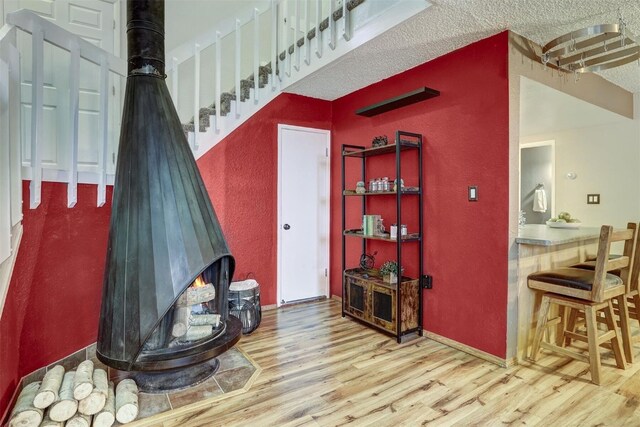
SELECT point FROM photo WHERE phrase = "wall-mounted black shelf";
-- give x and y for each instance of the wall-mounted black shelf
(403, 100)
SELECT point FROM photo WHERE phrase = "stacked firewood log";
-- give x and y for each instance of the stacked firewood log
(189, 325)
(81, 398)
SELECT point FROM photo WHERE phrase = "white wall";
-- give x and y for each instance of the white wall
(186, 19)
(606, 160)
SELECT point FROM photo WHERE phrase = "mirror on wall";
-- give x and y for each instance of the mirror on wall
(537, 166)
(589, 151)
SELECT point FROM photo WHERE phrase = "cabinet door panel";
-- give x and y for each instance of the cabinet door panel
(383, 308)
(357, 298)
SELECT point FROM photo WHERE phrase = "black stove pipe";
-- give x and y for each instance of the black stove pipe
(145, 38)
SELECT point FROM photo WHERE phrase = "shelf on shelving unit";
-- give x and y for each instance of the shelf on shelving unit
(385, 149)
(407, 191)
(410, 237)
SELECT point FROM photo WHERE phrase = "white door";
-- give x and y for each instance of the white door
(303, 213)
(94, 21)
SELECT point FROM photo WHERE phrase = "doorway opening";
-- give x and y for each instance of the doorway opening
(537, 181)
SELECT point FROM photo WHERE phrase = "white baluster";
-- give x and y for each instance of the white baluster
(37, 115)
(275, 27)
(15, 148)
(5, 160)
(307, 42)
(104, 130)
(332, 26)
(237, 67)
(74, 107)
(174, 82)
(296, 33)
(318, 32)
(218, 84)
(346, 18)
(256, 55)
(196, 98)
(287, 33)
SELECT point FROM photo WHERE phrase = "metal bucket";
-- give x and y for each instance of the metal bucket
(244, 303)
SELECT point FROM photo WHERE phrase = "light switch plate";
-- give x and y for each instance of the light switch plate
(593, 199)
(473, 193)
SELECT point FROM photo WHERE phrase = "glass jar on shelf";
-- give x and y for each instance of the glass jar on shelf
(385, 184)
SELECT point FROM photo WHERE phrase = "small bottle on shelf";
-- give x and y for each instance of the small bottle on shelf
(385, 184)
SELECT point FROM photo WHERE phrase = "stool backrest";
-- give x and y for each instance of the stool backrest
(634, 280)
(605, 263)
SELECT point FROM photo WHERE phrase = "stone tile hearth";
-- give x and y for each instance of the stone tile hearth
(236, 374)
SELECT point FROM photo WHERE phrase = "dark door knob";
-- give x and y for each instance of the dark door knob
(286, 226)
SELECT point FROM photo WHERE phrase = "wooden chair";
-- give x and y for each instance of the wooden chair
(590, 291)
(632, 296)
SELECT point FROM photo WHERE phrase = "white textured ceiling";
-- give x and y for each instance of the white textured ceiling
(450, 24)
(545, 110)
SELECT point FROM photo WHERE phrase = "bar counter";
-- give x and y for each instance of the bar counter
(542, 235)
(544, 248)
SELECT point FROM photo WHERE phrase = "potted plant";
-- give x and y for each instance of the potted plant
(389, 271)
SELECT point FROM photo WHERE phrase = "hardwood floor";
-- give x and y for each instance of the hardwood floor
(322, 370)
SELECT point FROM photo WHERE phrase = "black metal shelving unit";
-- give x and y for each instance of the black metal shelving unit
(404, 141)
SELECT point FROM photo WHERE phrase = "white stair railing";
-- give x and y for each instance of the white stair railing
(10, 160)
(288, 27)
(43, 31)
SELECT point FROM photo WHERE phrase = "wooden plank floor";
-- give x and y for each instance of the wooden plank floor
(322, 370)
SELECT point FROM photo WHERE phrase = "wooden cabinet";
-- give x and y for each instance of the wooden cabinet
(371, 300)
(392, 308)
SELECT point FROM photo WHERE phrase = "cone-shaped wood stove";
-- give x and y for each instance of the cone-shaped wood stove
(164, 301)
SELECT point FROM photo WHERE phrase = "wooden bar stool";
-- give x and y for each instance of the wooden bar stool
(631, 297)
(590, 291)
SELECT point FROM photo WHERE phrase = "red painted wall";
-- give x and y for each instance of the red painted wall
(241, 175)
(466, 142)
(53, 302)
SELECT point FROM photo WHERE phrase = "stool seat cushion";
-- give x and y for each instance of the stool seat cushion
(576, 278)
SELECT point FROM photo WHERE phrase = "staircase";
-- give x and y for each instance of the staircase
(304, 38)
(272, 47)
